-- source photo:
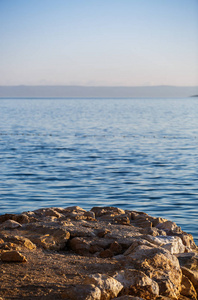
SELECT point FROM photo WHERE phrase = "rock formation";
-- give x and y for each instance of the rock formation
(147, 257)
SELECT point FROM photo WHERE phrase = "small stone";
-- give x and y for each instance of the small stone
(116, 248)
(102, 232)
(113, 211)
(13, 256)
(144, 223)
(9, 246)
(90, 215)
(138, 215)
(95, 248)
(79, 245)
(21, 242)
(123, 220)
(82, 292)
(10, 224)
(106, 253)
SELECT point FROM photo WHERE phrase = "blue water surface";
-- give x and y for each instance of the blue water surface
(137, 154)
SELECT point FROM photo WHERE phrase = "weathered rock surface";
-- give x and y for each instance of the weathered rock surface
(12, 256)
(144, 257)
(187, 288)
(133, 279)
(82, 292)
(192, 276)
(109, 286)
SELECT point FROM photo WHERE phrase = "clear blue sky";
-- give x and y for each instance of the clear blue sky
(106, 42)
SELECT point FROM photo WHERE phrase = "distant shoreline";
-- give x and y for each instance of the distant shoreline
(98, 91)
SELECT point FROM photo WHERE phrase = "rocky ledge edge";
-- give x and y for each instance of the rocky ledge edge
(148, 257)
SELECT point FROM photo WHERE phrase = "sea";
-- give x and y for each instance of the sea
(136, 154)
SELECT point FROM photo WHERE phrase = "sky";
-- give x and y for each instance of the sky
(99, 43)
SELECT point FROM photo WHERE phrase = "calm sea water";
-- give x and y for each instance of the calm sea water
(138, 154)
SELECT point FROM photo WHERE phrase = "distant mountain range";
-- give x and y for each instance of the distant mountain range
(24, 91)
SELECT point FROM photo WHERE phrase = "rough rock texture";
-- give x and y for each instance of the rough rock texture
(102, 254)
(109, 286)
(12, 256)
(82, 292)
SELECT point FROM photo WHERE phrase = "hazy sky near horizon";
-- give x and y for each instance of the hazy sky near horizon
(106, 42)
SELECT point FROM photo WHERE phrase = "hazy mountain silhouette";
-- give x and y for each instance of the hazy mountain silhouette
(96, 91)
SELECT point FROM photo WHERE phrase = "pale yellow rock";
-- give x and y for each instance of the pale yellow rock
(13, 256)
(109, 286)
(22, 242)
(132, 277)
(161, 266)
(173, 244)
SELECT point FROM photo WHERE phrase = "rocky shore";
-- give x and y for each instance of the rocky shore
(105, 253)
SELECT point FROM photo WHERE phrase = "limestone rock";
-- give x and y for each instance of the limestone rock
(90, 215)
(159, 265)
(187, 240)
(111, 211)
(167, 226)
(46, 212)
(138, 279)
(80, 245)
(20, 241)
(192, 276)
(116, 248)
(109, 286)
(144, 223)
(21, 218)
(187, 288)
(49, 242)
(188, 260)
(10, 224)
(13, 256)
(74, 209)
(106, 253)
(82, 292)
(102, 232)
(123, 220)
(95, 248)
(9, 246)
(171, 243)
(142, 244)
(48, 237)
(6, 217)
(135, 215)
(75, 213)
